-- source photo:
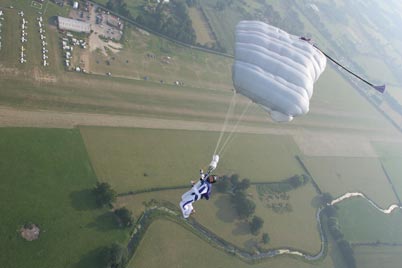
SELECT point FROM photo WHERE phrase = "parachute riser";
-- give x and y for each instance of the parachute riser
(380, 89)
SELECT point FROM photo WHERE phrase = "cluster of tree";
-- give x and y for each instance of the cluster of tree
(223, 4)
(114, 256)
(124, 217)
(333, 227)
(232, 184)
(105, 195)
(120, 7)
(171, 20)
(245, 207)
(298, 180)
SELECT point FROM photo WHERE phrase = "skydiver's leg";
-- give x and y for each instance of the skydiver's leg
(186, 208)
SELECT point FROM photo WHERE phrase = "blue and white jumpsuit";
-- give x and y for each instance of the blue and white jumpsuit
(201, 189)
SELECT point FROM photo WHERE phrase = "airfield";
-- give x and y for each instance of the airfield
(145, 117)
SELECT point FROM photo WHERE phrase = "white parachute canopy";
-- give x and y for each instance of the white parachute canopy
(275, 69)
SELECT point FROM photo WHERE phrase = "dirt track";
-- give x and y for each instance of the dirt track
(314, 143)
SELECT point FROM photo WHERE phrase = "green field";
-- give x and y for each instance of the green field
(218, 216)
(381, 256)
(296, 229)
(173, 157)
(391, 157)
(46, 179)
(361, 222)
(146, 55)
(339, 175)
(156, 251)
(394, 171)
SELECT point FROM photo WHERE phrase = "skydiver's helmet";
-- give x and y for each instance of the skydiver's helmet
(212, 178)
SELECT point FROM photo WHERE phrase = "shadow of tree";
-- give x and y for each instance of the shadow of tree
(83, 200)
(316, 201)
(92, 259)
(242, 228)
(335, 255)
(104, 222)
(250, 243)
(226, 212)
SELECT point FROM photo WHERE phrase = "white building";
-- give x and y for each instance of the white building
(73, 25)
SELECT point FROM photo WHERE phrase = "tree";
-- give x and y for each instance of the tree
(114, 256)
(243, 185)
(104, 194)
(330, 211)
(124, 216)
(347, 253)
(298, 180)
(265, 238)
(234, 179)
(224, 185)
(326, 198)
(244, 206)
(256, 224)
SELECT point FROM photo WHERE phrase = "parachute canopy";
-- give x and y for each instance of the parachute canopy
(275, 69)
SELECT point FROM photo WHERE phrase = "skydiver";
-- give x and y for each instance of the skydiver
(200, 190)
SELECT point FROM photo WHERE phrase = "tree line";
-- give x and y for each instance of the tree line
(170, 19)
(344, 246)
(115, 255)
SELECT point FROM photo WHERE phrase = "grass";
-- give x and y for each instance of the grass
(296, 229)
(190, 66)
(373, 257)
(338, 175)
(46, 179)
(177, 247)
(394, 170)
(217, 214)
(360, 222)
(391, 157)
(173, 157)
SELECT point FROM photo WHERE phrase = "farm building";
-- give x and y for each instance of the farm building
(73, 25)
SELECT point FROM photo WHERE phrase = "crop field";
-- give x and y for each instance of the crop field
(375, 67)
(361, 222)
(200, 26)
(339, 175)
(394, 171)
(388, 150)
(378, 256)
(391, 157)
(157, 250)
(137, 159)
(46, 179)
(296, 229)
